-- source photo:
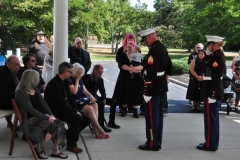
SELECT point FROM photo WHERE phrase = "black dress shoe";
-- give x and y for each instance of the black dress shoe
(201, 144)
(113, 125)
(135, 113)
(107, 130)
(145, 147)
(203, 147)
(142, 113)
(124, 112)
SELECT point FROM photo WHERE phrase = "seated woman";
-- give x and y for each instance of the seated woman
(84, 100)
(39, 124)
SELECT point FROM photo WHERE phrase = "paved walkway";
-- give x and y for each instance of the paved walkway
(182, 132)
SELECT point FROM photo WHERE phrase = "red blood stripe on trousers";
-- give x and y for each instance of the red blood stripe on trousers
(208, 123)
(151, 123)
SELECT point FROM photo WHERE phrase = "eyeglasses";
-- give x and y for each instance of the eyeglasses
(33, 61)
(198, 47)
(70, 72)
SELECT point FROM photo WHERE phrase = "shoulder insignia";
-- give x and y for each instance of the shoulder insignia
(150, 60)
(215, 64)
(148, 82)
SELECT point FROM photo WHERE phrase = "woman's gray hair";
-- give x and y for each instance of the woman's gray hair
(77, 66)
(29, 80)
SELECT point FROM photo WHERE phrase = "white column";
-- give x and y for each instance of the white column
(9, 53)
(60, 32)
(18, 53)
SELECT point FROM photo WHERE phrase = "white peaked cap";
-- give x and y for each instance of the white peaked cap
(146, 32)
(213, 39)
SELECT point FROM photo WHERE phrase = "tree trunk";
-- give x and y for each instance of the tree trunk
(116, 48)
(112, 46)
(118, 37)
(189, 49)
(112, 36)
(86, 41)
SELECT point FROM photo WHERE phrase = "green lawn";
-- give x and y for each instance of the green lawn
(175, 54)
(104, 54)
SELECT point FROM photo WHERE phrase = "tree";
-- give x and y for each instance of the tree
(197, 18)
(110, 20)
(170, 37)
(20, 19)
(165, 12)
(121, 18)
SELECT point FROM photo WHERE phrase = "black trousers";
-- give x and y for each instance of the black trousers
(129, 106)
(142, 107)
(112, 103)
(76, 124)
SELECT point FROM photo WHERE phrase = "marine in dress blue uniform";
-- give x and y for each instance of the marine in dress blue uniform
(212, 92)
(155, 88)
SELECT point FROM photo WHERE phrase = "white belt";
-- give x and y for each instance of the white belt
(209, 78)
(160, 73)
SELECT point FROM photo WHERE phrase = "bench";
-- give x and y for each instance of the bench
(5, 113)
(228, 93)
(227, 96)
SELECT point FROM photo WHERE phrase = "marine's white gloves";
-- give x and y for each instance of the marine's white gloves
(211, 100)
(147, 98)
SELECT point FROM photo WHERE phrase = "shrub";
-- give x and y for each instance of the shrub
(180, 66)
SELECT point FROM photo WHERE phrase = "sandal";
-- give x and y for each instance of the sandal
(59, 155)
(98, 136)
(41, 156)
(106, 136)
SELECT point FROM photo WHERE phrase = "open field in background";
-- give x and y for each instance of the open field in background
(175, 54)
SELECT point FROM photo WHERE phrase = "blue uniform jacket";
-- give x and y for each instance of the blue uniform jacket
(157, 60)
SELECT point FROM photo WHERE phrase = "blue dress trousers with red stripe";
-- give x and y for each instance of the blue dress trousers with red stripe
(155, 85)
(213, 89)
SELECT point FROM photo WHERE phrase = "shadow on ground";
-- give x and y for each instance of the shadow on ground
(179, 106)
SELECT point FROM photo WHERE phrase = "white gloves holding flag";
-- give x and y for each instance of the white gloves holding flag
(147, 98)
(211, 100)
